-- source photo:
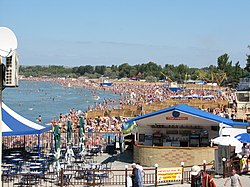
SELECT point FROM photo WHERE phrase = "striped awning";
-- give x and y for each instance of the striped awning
(14, 124)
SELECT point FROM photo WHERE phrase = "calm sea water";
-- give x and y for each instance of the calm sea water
(49, 99)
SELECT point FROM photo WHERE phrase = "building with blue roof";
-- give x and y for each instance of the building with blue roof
(178, 129)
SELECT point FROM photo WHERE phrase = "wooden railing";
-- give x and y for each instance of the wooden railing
(132, 110)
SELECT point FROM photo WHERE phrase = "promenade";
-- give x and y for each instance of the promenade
(120, 160)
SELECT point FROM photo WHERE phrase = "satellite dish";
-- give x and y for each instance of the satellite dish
(8, 42)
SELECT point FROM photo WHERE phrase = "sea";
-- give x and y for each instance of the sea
(50, 99)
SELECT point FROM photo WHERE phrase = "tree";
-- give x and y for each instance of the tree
(169, 71)
(150, 68)
(124, 70)
(222, 62)
(182, 72)
(100, 69)
(247, 68)
(151, 78)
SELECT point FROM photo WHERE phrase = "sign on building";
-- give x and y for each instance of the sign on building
(169, 174)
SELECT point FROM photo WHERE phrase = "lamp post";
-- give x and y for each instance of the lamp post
(156, 182)
(204, 165)
(224, 167)
(182, 172)
(126, 175)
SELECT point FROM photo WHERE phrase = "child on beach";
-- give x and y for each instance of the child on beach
(235, 179)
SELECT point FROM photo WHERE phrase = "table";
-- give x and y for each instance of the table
(5, 170)
(40, 160)
(9, 166)
(95, 165)
(95, 176)
(9, 156)
(15, 154)
(86, 167)
(35, 168)
(30, 178)
(35, 164)
(16, 160)
(67, 177)
(35, 157)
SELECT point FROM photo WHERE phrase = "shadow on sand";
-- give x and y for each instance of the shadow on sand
(126, 157)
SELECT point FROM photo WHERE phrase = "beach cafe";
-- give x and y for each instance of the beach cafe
(177, 134)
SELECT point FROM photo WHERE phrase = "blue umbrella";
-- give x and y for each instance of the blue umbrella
(244, 137)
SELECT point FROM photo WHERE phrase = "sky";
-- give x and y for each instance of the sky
(106, 32)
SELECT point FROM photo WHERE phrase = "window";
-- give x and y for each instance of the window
(141, 137)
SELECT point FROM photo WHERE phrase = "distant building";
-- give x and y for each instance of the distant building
(244, 83)
(243, 93)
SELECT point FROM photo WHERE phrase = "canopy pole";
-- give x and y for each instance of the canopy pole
(24, 142)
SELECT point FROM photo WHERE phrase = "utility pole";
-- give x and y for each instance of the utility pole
(1, 125)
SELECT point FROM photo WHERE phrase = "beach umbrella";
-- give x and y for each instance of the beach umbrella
(244, 137)
(227, 140)
(69, 132)
(81, 134)
(81, 128)
(57, 137)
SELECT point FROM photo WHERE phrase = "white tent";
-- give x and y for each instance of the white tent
(228, 141)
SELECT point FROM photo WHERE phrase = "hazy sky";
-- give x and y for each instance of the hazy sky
(106, 32)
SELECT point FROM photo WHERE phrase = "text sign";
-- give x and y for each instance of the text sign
(176, 118)
(169, 174)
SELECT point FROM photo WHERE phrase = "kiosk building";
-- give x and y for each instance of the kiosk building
(177, 134)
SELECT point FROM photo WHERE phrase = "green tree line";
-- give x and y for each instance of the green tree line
(226, 72)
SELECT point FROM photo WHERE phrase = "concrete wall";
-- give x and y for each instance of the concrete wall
(172, 156)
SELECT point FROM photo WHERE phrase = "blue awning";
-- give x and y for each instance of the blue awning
(189, 110)
(237, 123)
(14, 124)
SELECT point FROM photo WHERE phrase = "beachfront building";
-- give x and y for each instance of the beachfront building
(244, 83)
(243, 93)
(177, 134)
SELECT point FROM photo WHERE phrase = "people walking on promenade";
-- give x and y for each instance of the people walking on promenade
(134, 176)
(234, 179)
(201, 178)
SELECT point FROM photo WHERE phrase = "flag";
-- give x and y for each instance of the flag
(128, 127)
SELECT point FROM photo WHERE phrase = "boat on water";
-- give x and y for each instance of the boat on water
(106, 83)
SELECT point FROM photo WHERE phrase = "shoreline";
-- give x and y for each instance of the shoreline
(143, 94)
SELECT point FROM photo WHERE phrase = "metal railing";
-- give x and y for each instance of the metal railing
(228, 165)
(92, 177)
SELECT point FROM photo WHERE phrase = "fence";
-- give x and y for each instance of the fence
(99, 139)
(228, 165)
(132, 110)
(98, 177)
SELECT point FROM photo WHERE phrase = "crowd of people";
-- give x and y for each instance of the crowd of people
(95, 128)
(145, 94)
(133, 93)
(130, 94)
